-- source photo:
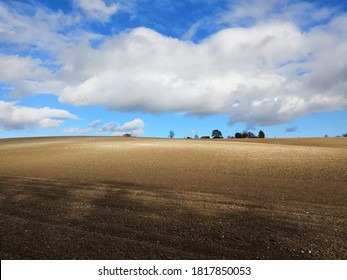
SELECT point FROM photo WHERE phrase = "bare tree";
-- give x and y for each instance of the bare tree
(171, 134)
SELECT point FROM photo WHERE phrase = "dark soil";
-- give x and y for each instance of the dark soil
(156, 199)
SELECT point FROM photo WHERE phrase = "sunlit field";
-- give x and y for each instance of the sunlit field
(142, 198)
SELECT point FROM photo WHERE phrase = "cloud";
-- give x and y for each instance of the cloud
(97, 9)
(191, 32)
(268, 71)
(14, 67)
(50, 123)
(94, 124)
(75, 130)
(109, 127)
(248, 73)
(302, 13)
(291, 129)
(33, 42)
(28, 76)
(18, 117)
(34, 26)
(248, 11)
(134, 127)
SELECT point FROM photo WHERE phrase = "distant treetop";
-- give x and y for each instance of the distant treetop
(261, 134)
(217, 134)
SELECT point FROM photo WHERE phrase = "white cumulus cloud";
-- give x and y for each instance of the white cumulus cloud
(134, 128)
(19, 117)
(265, 74)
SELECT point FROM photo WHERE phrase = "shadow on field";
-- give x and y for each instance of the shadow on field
(43, 219)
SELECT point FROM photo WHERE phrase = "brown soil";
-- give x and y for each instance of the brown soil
(133, 198)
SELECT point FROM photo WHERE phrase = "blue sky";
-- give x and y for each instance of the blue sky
(108, 67)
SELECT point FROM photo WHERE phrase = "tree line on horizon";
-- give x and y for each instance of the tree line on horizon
(245, 134)
(217, 134)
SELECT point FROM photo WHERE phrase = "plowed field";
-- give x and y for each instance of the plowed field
(140, 198)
